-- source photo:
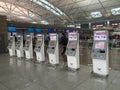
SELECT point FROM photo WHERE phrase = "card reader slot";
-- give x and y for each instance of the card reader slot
(52, 47)
(102, 51)
(73, 49)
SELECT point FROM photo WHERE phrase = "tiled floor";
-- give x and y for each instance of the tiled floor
(16, 74)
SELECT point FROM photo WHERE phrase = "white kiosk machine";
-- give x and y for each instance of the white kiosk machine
(19, 46)
(53, 51)
(72, 50)
(28, 47)
(100, 53)
(39, 48)
(11, 46)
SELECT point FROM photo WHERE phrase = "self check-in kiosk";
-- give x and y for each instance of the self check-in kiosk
(11, 46)
(100, 53)
(72, 50)
(28, 47)
(19, 46)
(39, 48)
(53, 51)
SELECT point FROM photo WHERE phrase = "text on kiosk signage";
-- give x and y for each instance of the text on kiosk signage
(100, 35)
(39, 36)
(72, 36)
(53, 36)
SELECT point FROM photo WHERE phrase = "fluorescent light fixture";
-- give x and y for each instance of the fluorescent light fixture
(114, 24)
(78, 25)
(99, 25)
(115, 11)
(34, 22)
(70, 25)
(96, 14)
(22, 17)
(45, 4)
(44, 22)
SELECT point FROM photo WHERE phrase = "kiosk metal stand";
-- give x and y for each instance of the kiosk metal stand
(28, 47)
(72, 51)
(39, 48)
(19, 46)
(53, 51)
(100, 53)
(11, 46)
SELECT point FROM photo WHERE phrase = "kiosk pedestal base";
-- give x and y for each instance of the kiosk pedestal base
(11, 52)
(19, 54)
(52, 59)
(72, 62)
(39, 57)
(100, 67)
(28, 55)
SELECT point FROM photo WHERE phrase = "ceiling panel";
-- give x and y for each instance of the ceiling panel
(74, 10)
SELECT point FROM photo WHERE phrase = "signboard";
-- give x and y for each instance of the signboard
(100, 35)
(12, 29)
(38, 30)
(53, 37)
(73, 36)
(31, 30)
(39, 36)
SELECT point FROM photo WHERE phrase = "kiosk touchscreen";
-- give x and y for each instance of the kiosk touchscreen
(52, 50)
(72, 50)
(11, 46)
(19, 46)
(100, 53)
(28, 47)
(39, 48)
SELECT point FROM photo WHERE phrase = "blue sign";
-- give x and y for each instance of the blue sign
(12, 29)
(30, 29)
(38, 30)
(50, 30)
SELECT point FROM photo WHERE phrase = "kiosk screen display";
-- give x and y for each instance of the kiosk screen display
(39, 42)
(19, 38)
(27, 42)
(10, 42)
(11, 38)
(52, 44)
(99, 45)
(72, 44)
(18, 42)
(28, 38)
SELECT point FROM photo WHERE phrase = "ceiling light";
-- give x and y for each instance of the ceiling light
(22, 17)
(70, 25)
(45, 4)
(44, 22)
(96, 14)
(115, 11)
(34, 22)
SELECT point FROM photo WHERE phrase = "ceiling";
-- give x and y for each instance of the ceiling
(75, 11)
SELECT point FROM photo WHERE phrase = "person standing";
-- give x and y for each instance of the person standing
(64, 41)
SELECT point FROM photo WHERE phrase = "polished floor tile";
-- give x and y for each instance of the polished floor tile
(20, 74)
